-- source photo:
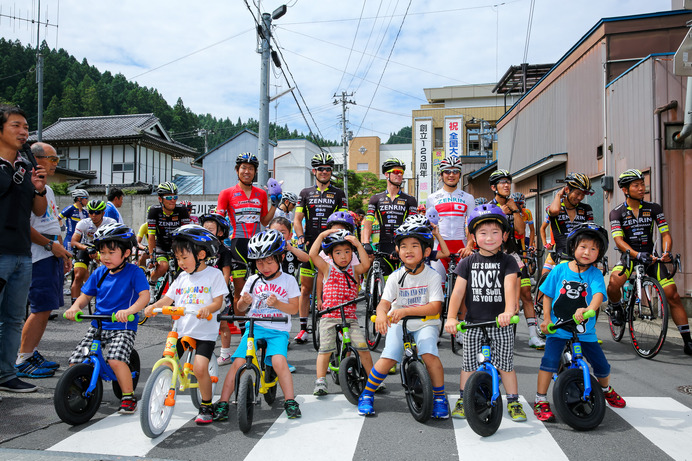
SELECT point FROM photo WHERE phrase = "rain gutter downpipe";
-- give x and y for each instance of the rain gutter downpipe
(687, 128)
(658, 151)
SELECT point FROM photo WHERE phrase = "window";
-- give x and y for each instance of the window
(123, 167)
(362, 167)
(473, 141)
(439, 139)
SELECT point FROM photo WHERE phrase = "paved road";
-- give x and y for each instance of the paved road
(656, 424)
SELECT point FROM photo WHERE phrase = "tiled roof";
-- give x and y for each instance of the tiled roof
(111, 126)
(189, 184)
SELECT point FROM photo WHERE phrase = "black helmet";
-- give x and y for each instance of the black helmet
(392, 163)
(115, 232)
(336, 238)
(247, 157)
(267, 243)
(220, 220)
(629, 176)
(198, 235)
(589, 230)
(497, 175)
(416, 230)
(323, 158)
(167, 188)
(579, 181)
(487, 212)
(96, 205)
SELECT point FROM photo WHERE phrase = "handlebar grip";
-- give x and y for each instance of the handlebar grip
(373, 318)
(77, 316)
(461, 326)
(551, 328)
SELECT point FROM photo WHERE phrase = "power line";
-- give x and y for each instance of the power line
(367, 43)
(353, 44)
(377, 51)
(528, 31)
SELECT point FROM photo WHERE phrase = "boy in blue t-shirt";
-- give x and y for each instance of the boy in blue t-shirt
(121, 288)
(570, 290)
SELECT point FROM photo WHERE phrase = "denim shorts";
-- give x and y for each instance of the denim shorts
(591, 350)
(47, 278)
(426, 340)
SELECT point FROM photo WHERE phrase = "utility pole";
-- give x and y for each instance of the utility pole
(345, 138)
(39, 75)
(264, 31)
(205, 133)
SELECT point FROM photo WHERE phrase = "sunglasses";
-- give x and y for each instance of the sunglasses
(169, 197)
(451, 171)
(504, 181)
(95, 211)
(324, 168)
(51, 158)
(396, 171)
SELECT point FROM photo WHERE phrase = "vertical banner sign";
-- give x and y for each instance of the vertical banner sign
(422, 137)
(453, 135)
(435, 178)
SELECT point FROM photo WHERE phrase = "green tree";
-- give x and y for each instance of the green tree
(403, 136)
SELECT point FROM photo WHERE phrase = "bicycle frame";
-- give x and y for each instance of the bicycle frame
(346, 346)
(410, 351)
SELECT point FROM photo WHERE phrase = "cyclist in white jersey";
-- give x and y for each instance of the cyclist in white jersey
(453, 205)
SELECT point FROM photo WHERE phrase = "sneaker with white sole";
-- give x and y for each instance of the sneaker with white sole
(17, 385)
(31, 369)
(320, 387)
(223, 360)
(301, 337)
(536, 342)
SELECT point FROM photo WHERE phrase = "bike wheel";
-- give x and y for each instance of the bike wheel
(270, 377)
(195, 395)
(483, 414)
(246, 401)
(419, 395)
(71, 403)
(570, 406)
(617, 331)
(134, 369)
(538, 305)
(315, 319)
(456, 346)
(374, 287)
(648, 319)
(352, 378)
(154, 414)
(334, 367)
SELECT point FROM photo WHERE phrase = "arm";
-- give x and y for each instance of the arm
(300, 254)
(367, 231)
(455, 304)
(519, 224)
(320, 264)
(76, 240)
(593, 305)
(140, 304)
(442, 250)
(548, 308)
(291, 307)
(556, 204)
(510, 299)
(269, 215)
(80, 303)
(58, 250)
(215, 305)
(544, 239)
(38, 178)
(382, 321)
(532, 239)
(364, 265)
(298, 226)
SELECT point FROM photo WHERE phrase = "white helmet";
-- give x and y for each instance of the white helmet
(79, 193)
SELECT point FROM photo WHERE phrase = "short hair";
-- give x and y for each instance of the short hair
(114, 193)
(113, 244)
(5, 112)
(282, 221)
(181, 245)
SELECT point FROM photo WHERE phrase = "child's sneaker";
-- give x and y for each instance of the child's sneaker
(223, 360)
(543, 412)
(206, 415)
(320, 387)
(43, 363)
(458, 411)
(516, 411)
(220, 411)
(128, 405)
(440, 408)
(365, 407)
(292, 409)
(613, 398)
(301, 337)
(31, 369)
(536, 342)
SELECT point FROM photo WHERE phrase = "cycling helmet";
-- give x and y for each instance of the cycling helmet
(497, 175)
(418, 219)
(199, 236)
(450, 162)
(79, 193)
(247, 157)
(481, 201)
(96, 205)
(518, 198)
(220, 220)
(421, 208)
(391, 164)
(115, 232)
(341, 217)
(587, 230)
(628, 177)
(167, 188)
(579, 181)
(338, 237)
(487, 212)
(416, 230)
(265, 244)
(323, 158)
(291, 197)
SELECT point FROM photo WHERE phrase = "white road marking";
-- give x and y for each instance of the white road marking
(122, 435)
(324, 420)
(666, 422)
(512, 440)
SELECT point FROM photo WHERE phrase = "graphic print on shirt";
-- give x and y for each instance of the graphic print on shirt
(485, 283)
(261, 293)
(192, 294)
(572, 297)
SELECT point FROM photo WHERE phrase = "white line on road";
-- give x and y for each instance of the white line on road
(122, 434)
(324, 420)
(522, 437)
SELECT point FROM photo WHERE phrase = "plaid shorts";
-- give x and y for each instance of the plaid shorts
(501, 348)
(118, 342)
(328, 335)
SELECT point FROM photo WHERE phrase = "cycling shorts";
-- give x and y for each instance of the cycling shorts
(656, 270)
(307, 269)
(202, 347)
(162, 255)
(239, 261)
(82, 259)
(454, 246)
(525, 277)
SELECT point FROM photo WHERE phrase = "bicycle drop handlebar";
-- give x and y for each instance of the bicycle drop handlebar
(552, 327)
(463, 326)
(79, 316)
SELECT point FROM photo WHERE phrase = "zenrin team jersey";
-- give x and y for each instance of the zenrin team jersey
(453, 207)
(242, 210)
(561, 225)
(317, 205)
(162, 225)
(638, 232)
(390, 212)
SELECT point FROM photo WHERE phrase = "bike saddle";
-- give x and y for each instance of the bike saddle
(261, 343)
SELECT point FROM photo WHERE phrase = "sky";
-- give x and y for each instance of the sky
(384, 52)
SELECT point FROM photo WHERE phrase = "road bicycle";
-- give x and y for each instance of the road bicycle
(79, 391)
(254, 377)
(645, 309)
(414, 375)
(163, 283)
(482, 398)
(374, 286)
(577, 394)
(170, 375)
(344, 364)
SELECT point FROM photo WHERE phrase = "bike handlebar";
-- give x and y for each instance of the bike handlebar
(552, 327)
(355, 300)
(463, 326)
(373, 317)
(79, 316)
(176, 311)
(233, 318)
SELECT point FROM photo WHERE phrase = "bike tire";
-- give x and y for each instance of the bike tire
(538, 304)
(352, 378)
(419, 395)
(71, 405)
(648, 319)
(569, 404)
(246, 401)
(374, 287)
(482, 413)
(617, 331)
(270, 377)
(456, 347)
(195, 394)
(134, 365)
(315, 319)
(334, 364)
(154, 414)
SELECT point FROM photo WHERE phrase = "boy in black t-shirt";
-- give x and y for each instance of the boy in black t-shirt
(487, 282)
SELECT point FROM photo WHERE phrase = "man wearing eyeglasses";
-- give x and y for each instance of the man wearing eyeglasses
(315, 204)
(390, 208)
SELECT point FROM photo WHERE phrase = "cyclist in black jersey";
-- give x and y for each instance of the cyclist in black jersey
(390, 208)
(315, 205)
(632, 226)
(162, 220)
